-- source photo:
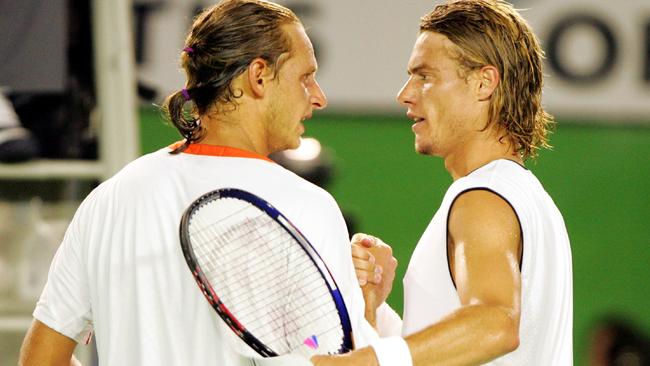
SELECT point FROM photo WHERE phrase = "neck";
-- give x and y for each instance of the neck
(234, 129)
(477, 153)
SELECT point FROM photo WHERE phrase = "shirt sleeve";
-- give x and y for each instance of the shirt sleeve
(64, 304)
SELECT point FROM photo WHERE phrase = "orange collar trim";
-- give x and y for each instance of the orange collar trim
(215, 150)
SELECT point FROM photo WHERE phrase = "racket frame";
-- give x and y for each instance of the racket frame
(213, 298)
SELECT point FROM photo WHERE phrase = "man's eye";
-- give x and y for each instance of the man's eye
(308, 78)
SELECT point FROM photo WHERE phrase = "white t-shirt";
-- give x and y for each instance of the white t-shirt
(546, 323)
(120, 270)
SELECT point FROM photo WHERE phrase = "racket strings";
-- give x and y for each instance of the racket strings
(211, 244)
(308, 316)
(243, 263)
(297, 312)
(216, 221)
(287, 289)
(239, 261)
(264, 277)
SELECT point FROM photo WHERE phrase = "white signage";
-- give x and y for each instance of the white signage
(597, 66)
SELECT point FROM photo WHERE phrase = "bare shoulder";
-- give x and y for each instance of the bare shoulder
(485, 250)
(481, 215)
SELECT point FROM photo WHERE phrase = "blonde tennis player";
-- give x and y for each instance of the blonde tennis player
(490, 281)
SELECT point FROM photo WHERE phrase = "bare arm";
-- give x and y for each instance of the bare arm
(44, 346)
(484, 247)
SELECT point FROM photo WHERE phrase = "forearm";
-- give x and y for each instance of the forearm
(45, 347)
(371, 316)
(372, 300)
(46, 356)
(470, 336)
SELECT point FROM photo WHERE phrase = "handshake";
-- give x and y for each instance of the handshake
(375, 266)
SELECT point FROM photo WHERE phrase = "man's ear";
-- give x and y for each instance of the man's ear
(489, 79)
(258, 75)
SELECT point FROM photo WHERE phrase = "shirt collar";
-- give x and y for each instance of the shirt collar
(216, 150)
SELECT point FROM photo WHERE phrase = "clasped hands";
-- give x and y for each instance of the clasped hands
(375, 266)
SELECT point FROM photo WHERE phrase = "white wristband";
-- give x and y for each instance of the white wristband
(392, 351)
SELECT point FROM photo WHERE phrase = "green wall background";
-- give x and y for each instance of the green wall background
(598, 176)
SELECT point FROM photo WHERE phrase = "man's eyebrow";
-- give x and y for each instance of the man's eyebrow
(311, 70)
(419, 69)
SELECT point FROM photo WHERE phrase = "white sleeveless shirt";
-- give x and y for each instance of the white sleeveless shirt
(546, 323)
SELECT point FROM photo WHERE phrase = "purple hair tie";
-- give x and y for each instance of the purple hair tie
(188, 49)
(186, 95)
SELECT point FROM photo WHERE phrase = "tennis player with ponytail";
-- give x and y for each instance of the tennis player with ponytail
(120, 271)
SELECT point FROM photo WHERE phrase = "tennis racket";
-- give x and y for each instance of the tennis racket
(262, 276)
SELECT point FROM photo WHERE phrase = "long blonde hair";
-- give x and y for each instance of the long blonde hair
(492, 32)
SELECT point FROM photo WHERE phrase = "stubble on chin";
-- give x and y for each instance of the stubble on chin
(294, 145)
(423, 149)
